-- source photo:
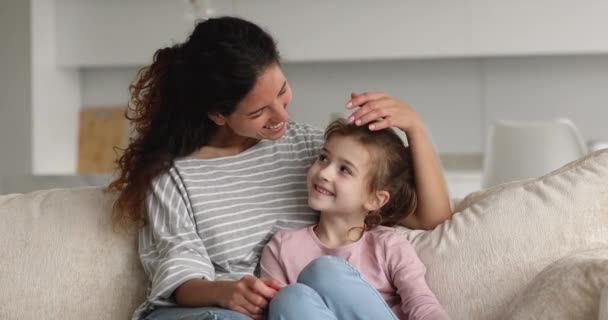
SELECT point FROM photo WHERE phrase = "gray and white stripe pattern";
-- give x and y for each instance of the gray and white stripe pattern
(210, 218)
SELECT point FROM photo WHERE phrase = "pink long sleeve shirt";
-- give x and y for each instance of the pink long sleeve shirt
(385, 259)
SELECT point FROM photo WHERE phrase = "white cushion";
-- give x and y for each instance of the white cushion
(501, 238)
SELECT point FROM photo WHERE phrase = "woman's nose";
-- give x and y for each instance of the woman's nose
(280, 111)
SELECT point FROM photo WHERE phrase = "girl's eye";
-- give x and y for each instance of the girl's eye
(322, 157)
(346, 170)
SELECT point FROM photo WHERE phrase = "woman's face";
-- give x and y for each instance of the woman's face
(262, 114)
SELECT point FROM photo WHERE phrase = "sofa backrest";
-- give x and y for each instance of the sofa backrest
(60, 258)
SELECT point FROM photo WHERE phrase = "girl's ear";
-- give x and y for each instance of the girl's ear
(377, 200)
(217, 118)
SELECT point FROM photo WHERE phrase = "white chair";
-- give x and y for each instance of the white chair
(520, 150)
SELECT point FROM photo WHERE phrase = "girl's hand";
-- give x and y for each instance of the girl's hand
(250, 296)
(379, 111)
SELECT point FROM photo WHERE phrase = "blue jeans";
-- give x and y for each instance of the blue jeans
(329, 288)
(204, 313)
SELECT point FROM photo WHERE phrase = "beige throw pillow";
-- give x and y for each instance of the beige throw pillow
(567, 289)
(501, 238)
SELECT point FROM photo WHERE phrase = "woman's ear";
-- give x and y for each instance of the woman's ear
(377, 200)
(217, 118)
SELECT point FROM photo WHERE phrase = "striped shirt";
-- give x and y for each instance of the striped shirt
(210, 218)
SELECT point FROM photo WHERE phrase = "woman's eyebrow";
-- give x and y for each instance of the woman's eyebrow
(262, 108)
(282, 87)
(256, 111)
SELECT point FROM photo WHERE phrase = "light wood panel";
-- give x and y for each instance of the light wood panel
(102, 130)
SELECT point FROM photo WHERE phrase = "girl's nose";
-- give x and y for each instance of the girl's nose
(325, 173)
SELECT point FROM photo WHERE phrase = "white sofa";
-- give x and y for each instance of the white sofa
(535, 249)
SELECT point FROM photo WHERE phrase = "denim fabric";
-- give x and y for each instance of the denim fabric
(329, 288)
(203, 313)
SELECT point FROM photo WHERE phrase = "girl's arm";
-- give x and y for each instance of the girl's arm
(270, 262)
(407, 274)
(433, 200)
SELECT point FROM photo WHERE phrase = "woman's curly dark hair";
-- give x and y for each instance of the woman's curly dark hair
(171, 99)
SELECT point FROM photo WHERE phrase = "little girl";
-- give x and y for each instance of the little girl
(348, 266)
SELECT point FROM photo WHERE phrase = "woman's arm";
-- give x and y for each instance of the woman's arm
(433, 200)
(177, 263)
(201, 292)
(249, 295)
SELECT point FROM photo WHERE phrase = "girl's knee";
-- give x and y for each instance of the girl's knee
(289, 296)
(325, 268)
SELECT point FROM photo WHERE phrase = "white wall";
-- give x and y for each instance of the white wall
(55, 98)
(106, 87)
(548, 87)
(15, 112)
(457, 98)
(446, 93)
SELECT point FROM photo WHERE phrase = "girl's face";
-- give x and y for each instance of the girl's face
(262, 114)
(339, 180)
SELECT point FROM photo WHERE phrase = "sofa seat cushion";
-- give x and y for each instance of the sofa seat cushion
(62, 260)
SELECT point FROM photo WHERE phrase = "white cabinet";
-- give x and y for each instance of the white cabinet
(92, 33)
(532, 27)
(363, 30)
(113, 32)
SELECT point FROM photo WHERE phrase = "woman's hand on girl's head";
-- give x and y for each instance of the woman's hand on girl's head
(250, 296)
(379, 111)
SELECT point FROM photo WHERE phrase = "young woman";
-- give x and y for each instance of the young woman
(215, 168)
(347, 266)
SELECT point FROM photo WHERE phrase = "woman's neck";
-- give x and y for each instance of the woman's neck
(338, 230)
(223, 143)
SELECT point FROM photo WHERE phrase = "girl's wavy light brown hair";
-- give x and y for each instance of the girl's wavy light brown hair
(393, 171)
(171, 99)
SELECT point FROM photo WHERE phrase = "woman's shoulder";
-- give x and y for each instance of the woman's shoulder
(303, 137)
(302, 126)
(296, 129)
(167, 183)
(168, 177)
